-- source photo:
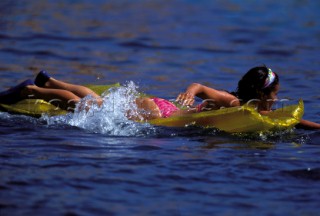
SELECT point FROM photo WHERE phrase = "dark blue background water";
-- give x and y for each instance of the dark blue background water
(54, 168)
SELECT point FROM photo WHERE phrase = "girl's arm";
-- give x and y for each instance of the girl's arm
(220, 98)
(308, 125)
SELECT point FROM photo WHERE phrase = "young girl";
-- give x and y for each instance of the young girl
(258, 86)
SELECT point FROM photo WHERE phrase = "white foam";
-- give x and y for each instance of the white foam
(111, 117)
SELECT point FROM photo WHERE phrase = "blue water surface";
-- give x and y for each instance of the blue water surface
(69, 165)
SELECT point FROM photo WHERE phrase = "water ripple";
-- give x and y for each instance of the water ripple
(273, 52)
(307, 174)
(138, 44)
(43, 53)
(49, 37)
(146, 148)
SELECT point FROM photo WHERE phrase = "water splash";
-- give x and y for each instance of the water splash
(112, 117)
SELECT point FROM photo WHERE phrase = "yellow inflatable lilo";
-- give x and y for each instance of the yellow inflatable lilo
(234, 120)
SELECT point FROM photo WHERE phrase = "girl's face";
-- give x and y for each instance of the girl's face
(269, 99)
(274, 94)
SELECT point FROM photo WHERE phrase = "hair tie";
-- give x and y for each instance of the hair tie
(270, 79)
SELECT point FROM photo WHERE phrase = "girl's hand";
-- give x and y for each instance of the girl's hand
(185, 99)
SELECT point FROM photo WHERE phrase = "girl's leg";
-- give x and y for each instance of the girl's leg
(78, 90)
(62, 98)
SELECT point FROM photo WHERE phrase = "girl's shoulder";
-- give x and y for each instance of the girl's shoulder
(228, 99)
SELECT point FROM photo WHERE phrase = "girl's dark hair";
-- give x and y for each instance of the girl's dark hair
(251, 86)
